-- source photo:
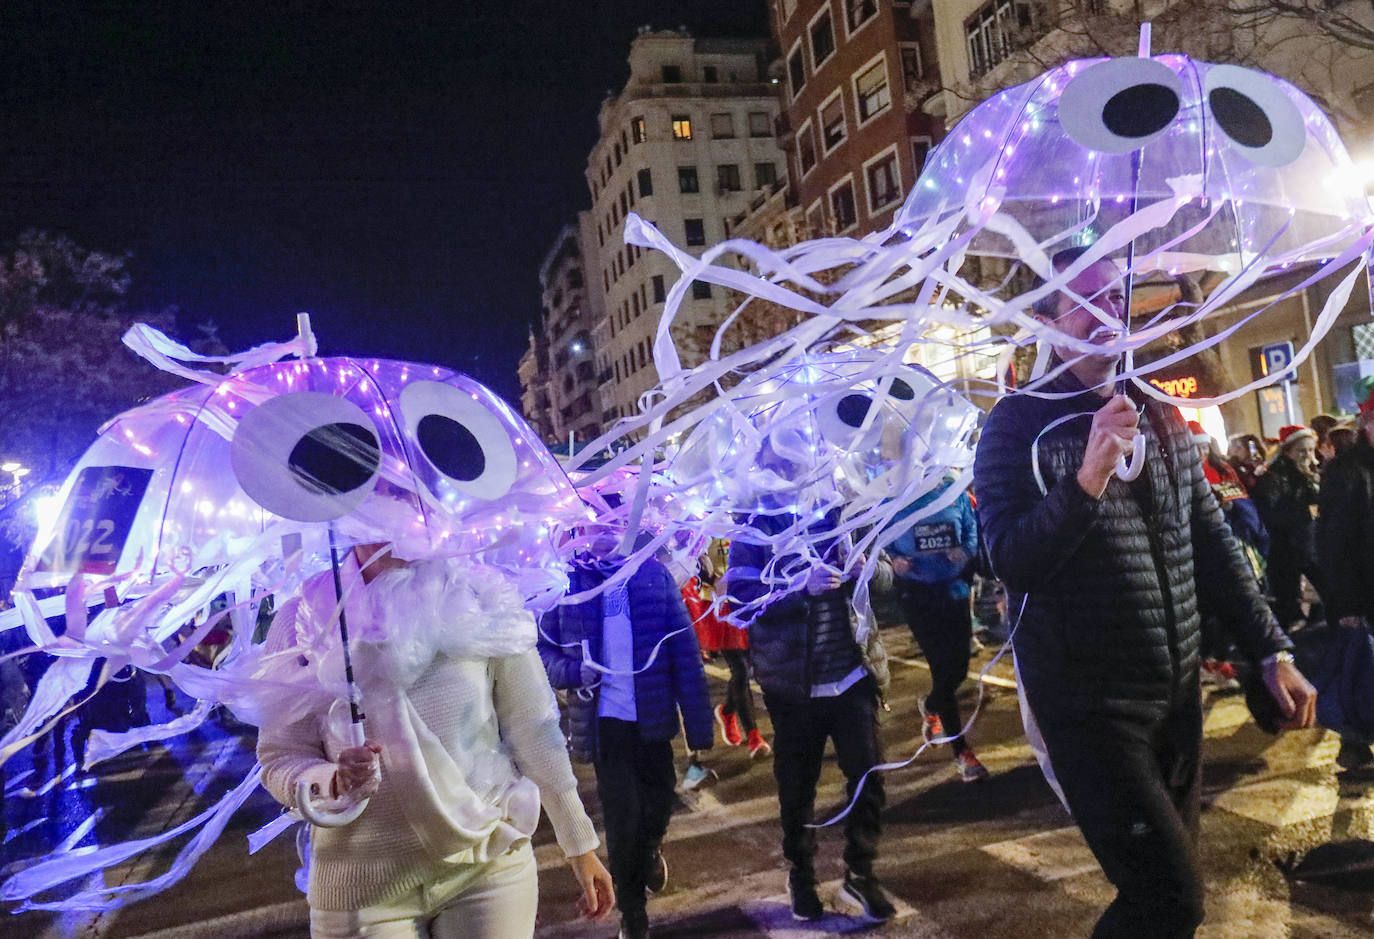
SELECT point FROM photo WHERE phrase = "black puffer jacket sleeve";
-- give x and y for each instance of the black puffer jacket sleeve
(1029, 534)
(1225, 584)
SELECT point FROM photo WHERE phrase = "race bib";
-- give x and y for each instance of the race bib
(934, 536)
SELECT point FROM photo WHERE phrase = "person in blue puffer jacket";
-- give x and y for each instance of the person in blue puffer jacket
(933, 562)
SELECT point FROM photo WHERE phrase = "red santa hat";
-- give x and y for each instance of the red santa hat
(1200, 436)
(1292, 433)
(1367, 405)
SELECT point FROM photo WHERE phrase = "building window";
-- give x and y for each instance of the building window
(765, 175)
(709, 74)
(832, 123)
(759, 124)
(884, 185)
(624, 204)
(682, 127)
(920, 149)
(695, 230)
(643, 301)
(643, 352)
(727, 178)
(646, 183)
(722, 126)
(796, 71)
(992, 33)
(822, 40)
(634, 303)
(657, 282)
(871, 91)
(911, 65)
(687, 179)
(672, 74)
(630, 191)
(842, 206)
(859, 12)
(638, 132)
(806, 148)
(701, 290)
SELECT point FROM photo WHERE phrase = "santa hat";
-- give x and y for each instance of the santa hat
(1292, 433)
(1200, 436)
(1367, 405)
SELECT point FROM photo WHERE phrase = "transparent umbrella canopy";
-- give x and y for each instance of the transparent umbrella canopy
(1240, 167)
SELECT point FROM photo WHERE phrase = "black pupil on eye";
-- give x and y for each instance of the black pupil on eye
(901, 390)
(1243, 120)
(852, 409)
(335, 458)
(451, 447)
(1140, 110)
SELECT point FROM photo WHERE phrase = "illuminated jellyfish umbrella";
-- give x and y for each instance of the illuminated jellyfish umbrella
(849, 429)
(1165, 164)
(246, 483)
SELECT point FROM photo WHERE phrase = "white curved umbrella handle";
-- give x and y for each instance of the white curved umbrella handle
(324, 817)
(1128, 470)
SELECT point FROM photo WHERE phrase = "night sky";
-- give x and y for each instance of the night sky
(397, 169)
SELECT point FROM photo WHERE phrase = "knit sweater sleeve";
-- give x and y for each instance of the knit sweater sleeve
(528, 716)
(290, 754)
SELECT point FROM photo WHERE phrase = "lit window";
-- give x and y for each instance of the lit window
(870, 90)
(637, 130)
(822, 40)
(687, 179)
(759, 124)
(883, 183)
(832, 123)
(722, 126)
(727, 177)
(860, 12)
(695, 231)
(842, 207)
(682, 127)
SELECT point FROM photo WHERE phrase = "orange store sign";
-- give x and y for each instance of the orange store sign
(1184, 387)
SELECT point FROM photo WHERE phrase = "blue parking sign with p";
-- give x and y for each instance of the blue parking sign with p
(1277, 357)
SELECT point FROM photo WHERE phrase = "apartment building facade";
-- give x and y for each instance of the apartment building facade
(685, 144)
(533, 372)
(855, 74)
(572, 306)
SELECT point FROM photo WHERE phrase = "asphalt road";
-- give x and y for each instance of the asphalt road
(1287, 841)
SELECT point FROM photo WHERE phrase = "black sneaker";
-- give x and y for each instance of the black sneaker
(866, 894)
(657, 876)
(806, 903)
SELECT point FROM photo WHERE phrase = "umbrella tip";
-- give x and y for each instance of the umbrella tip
(307, 336)
(1144, 50)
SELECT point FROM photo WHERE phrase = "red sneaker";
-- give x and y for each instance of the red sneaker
(932, 727)
(729, 727)
(758, 747)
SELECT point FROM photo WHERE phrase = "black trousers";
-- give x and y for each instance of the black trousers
(1285, 572)
(739, 700)
(634, 780)
(800, 730)
(943, 627)
(1133, 789)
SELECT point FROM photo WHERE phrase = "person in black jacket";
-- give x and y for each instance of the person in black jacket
(819, 682)
(1345, 547)
(641, 668)
(1286, 495)
(1105, 579)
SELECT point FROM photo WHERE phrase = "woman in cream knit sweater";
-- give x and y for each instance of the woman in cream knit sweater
(463, 748)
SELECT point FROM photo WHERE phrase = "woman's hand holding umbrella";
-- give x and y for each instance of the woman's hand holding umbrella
(359, 772)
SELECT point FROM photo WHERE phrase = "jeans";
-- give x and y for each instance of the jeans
(635, 781)
(800, 730)
(1133, 789)
(495, 900)
(739, 700)
(943, 627)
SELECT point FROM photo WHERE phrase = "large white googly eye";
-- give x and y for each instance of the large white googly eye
(840, 417)
(1120, 105)
(1255, 114)
(461, 438)
(307, 456)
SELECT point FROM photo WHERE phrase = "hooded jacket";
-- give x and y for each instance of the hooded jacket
(674, 682)
(1108, 588)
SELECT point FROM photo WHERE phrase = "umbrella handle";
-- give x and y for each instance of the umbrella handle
(1128, 470)
(323, 817)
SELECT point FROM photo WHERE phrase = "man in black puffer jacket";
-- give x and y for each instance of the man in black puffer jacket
(818, 682)
(624, 723)
(1108, 577)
